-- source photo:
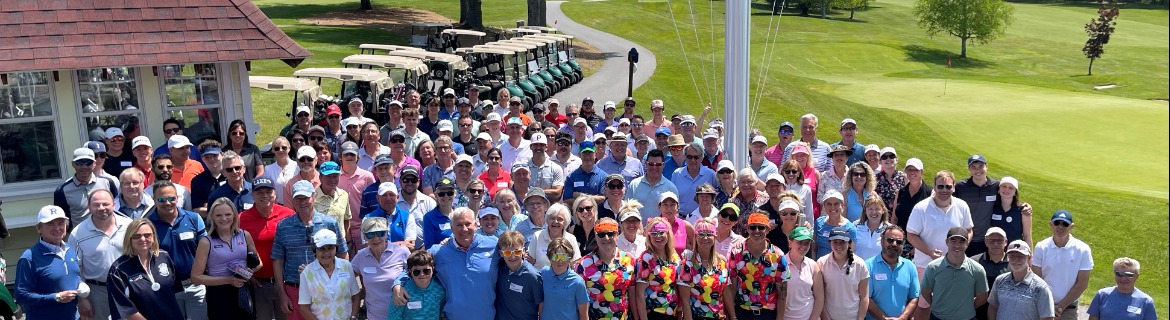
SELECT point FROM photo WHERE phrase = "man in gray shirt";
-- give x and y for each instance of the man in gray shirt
(73, 195)
(546, 175)
(98, 241)
(1020, 294)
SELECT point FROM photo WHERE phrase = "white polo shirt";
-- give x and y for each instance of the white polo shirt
(1060, 265)
(510, 155)
(931, 223)
(96, 250)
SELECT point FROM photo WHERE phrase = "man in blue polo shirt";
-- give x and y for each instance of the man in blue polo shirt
(236, 189)
(47, 275)
(587, 179)
(646, 188)
(849, 139)
(402, 231)
(687, 178)
(467, 267)
(893, 281)
(179, 232)
(292, 247)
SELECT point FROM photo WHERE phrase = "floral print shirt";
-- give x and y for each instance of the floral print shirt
(660, 277)
(887, 187)
(757, 276)
(706, 285)
(607, 284)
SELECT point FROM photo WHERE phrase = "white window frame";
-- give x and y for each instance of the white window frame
(26, 189)
(225, 97)
(82, 115)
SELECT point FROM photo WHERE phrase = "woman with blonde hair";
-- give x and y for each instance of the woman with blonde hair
(283, 167)
(794, 176)
(558, 219)
(632, 240)
(222, 262)
(858, 186)
(584, 220)
(871, 226)
(608, 273)
(510, 216)
(704, 274)
(657, 274)
(143, 281)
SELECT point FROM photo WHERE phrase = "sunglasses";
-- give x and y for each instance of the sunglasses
(944, 187)
(1061, 224)
(655, 164)
(335, 117)
(782, 131)
(1120, 274)
(560, 257)
(280, 149)
(571, 114)
(758, 228)
(83, 163)
(858, 174)
(494, 158)
(511, 253)
(142, 236)
(420, 272)
(475, 191)
(375, 234)
(412, 180)
(615, 186)
(895, 241)
(658, 234)
(238, 134)
(163, 167)
(165, 199)
(102, 156)
(172, 131)
(564, 143)
(789, 213)
(585, 209)
(445, 193)
(397, 140)
(298, 140)
(606, 235)
(118, 138)
(305, 159)
(889, 157)
(688, 124)
(729, 216)
(694, 157)
(791, 171)
(316, 138)
(234, 169)
(302, 115)
(726, 171)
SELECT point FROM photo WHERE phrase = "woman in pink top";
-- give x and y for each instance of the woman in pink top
(806, 295)
(846, 279)
(802, 155)
(684, 232)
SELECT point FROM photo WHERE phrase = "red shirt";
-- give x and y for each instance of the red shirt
(263, 231)
(558, 119)
(148, 174)
(503, 181)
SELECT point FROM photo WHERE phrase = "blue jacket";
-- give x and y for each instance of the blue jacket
(40, 274)
(397, 227)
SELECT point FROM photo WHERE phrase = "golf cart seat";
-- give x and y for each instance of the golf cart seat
(481, 72)
(495, 67)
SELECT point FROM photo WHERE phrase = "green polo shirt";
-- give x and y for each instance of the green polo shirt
(954, 288)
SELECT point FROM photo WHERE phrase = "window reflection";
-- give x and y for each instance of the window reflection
(28, 151)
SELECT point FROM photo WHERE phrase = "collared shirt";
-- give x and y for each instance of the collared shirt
(564, 292)
(180, 239)
(529, 229)
(892, 287)
(436, 227)
(991, 268)
(1029, 298)
(469, 276)
(980, 199)
(424, 304)
(630, 168)
(757, 275)
(520, 292)
(413, 141)
(335, 205)
(263, 231)
(204, 183)
(365, 159)
(432, 174)
(608, 283)
(931, 223)
(353, 184)
(1110, 304)
(328, 295)
(419, 208)
(820, 154)
(706, 285)
(95, 249)
(583, 182)
(538, 248)
(190, 169)
(42, 271)
(830, 181)
(840, 286)
(869, 242)
(547, 175)
(182, 196)
(953, 287)
(647, 194)
(73, 196)
(134, 211)
(821, 230)
(503, 180)
(775, 155)
(858, 154)
(294, 242)
(242, 198)
(378, 275)
(130, 288)
(686, 185)
(510, 155)
(568, 166)
(669, 166)
(1060, 265)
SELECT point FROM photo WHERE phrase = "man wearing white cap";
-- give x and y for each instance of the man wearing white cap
(356, 110)
(484, 143)
(403, 230)
(608, 119)
(293, 249)
(170, 128)
(515, 149)
(98, 242)
(302, 120)
(185, 168)
(73, 195)
(994, 261)
(712, 150)
(118, 159)
(494, 130)
(572, 113)
(446, 128)
(546, 175)
(848, 132)
(42, 290)
(1020, 294)
(307, 164)
(142, 150)
(414, 202)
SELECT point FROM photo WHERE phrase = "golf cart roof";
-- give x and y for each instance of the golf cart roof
(430, 24)
(344, 74)
(463, 32)
(280, 83)
(556, 36)
(454, 60)
(485, 49)
(524, 31)
(517, 44)
(536, 38)
(540, 28)
(513, 48)
(388, 62)
(388, 47)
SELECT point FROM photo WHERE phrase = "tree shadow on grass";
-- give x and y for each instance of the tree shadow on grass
(300, 11)
(917, 53)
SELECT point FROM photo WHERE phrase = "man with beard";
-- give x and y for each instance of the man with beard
(893, 286)
(185, 169)
(162, 169)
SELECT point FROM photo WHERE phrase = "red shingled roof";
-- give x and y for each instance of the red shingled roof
(79, 34)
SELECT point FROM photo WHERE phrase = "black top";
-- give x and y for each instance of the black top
(979, 199)
(201, 187)
(993, 270)
(469, 147)
(115, 165)
(1010, 221)
(906, 202)
(130, 290)
(586, 243)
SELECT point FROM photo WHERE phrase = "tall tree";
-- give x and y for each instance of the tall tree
(978, 21)
(1099, 30)
(537, 15)
(852, 5)
(366, 5)
(471, 14)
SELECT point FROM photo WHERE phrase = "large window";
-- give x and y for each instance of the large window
(110, 97)
(193, 97)
(28, 131)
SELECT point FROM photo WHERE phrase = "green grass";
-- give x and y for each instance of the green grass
(882, 70)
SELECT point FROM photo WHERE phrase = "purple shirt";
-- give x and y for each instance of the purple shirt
(378, 277)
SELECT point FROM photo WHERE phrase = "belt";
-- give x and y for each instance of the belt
(291, 284)
(95, 282)
(266, 280)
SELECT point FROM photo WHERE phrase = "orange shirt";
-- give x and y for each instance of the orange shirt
(183, 176)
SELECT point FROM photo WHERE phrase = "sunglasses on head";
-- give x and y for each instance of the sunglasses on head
(420, 272)
(375, 234)
(511, 253)
(895, 241)
(944, 187)
(606, 235)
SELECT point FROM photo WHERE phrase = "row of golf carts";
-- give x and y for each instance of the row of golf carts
(531, 62)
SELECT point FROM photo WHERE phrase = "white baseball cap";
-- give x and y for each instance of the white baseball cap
(325, 237)
(916, 163)
(306, 151)
(387, 187)
(760, 138)
(775, 176)
(833, 193)
(492, 117)
(83, 153)
(538, 138)
(464, 158)
(50, 213)
(445, 125)
(580, 121)
(114, 132)
(609, 105)
(141, 141)
(484, 136)
(178, 141)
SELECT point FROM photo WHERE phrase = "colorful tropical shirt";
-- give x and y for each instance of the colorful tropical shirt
(607, 284)
(757, 276)
(660, 277)
(706, 286)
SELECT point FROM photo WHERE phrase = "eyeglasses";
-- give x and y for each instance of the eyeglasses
(758, 228)
(172, 130)
(83, 163)
(791, 171)
(234, 169)
(1061, 224)
(141, 236)
(465, 125)
(889, 157)
(706, 234)
(280, 148)
(849, 129)
(511, 253)
(782, 131)
(1120, 274)
(375, 234)
(585, 209)
(944, 187)
(298, 140)
(615, 186)
(305, 159)
(729, 216)
(560, 257)
(302, 115)
(895, 241)
(165, 199)
(420, 272)
(238, 133)
(655, 164)
(606, 235)
(445, 193)
(694, 157)
(475, 191)
(316, 138)
(658, 234)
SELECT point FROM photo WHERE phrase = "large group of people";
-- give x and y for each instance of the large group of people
(459, 208)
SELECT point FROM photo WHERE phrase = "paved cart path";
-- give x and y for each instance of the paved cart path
(609, 82)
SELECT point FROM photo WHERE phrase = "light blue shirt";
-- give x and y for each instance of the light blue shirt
(647, 194)
(892, 287)
(630, 169)
(468, 276)
(562, 294)
(855, 205)
(822, 228)
(686, 186)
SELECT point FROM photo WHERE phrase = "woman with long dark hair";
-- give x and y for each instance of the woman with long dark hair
(1007, 213)
(237, 140)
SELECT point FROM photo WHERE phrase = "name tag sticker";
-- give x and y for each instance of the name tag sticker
(1133, 309)
(369, 270)
(127, 164)
(248, 206)
(578, 184)
(187, 235)
(414, 305)
(825, 234)
(445, 226)
(991, 198)
(516, 287)
(502, 184)
(880, 276)
(997, 217)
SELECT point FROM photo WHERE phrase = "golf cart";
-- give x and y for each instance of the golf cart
(526, 62)
(305, 93)
(370, 48)
(428, 35)
(373, 87)
(519, 32)
(539, 49)
(446, 70)
(406, 71)
(458, 38)
(496, 67)
(565, 54)
(550, 59)
(542, 29)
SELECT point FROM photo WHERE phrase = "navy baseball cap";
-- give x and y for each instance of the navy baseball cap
(96, 146)
(1062, 215)
(976, 158)
(262, 183)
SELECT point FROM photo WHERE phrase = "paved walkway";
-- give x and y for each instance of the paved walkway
(609, 82)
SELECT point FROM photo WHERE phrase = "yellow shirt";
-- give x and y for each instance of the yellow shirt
(336, 206)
